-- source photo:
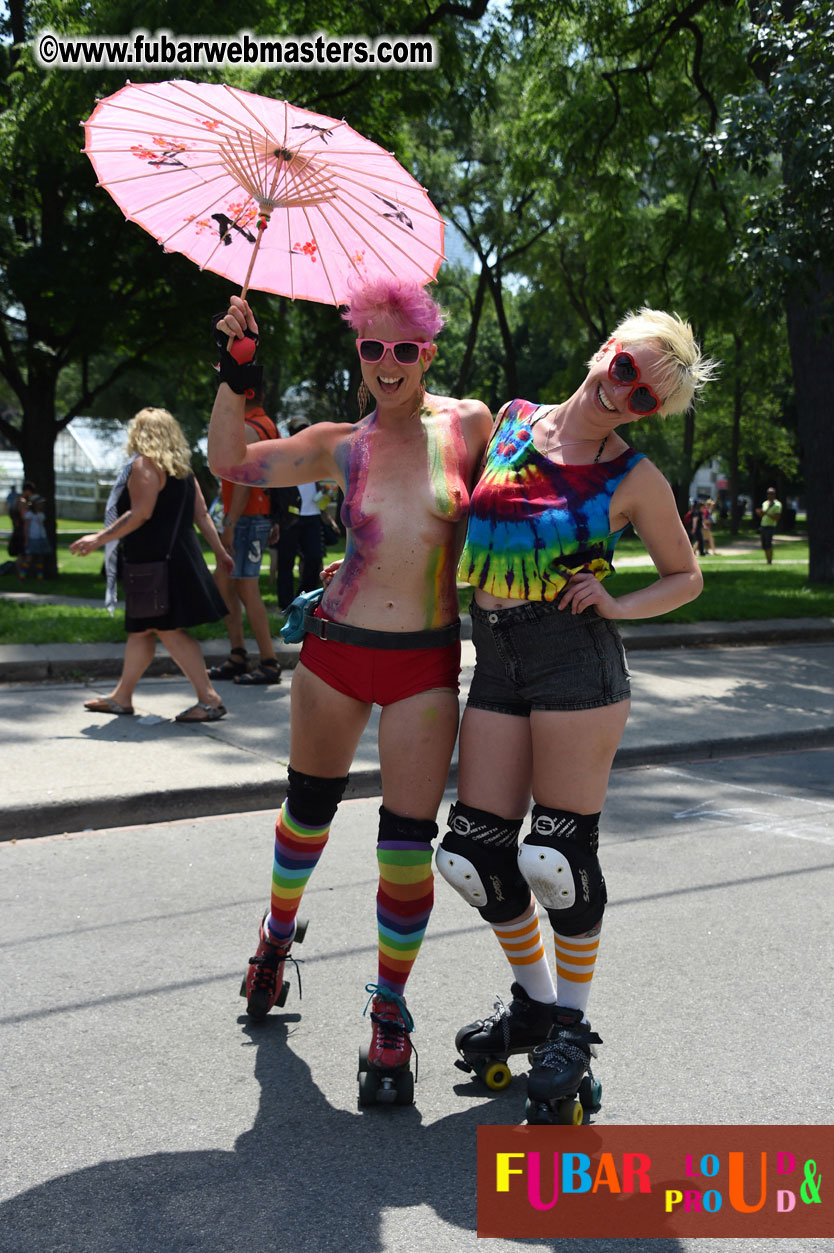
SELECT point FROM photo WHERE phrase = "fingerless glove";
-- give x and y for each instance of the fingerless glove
(237, 365)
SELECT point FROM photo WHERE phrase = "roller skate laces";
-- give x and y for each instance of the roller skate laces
(500, 1017)
(263, 984)
(561, 1087)
(571, 1044)
(390, 1047)
(512, 1028)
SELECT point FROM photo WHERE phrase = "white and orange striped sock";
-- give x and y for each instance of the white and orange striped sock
(575, 958)
(521, 940)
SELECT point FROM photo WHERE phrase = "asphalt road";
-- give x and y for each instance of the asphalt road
(142, 1114)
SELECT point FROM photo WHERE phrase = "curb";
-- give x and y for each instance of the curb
(65, 818)
(723, 634)
(147, 808)
(40, 663)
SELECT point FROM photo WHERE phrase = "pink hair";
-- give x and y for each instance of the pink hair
(406, 302)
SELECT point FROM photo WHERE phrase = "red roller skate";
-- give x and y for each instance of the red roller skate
(384, 1072)
(264, 984)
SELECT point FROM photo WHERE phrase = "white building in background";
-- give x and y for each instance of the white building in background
(709, 482)
(88, 456)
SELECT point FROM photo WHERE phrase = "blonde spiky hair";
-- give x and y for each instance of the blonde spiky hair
(684, 369)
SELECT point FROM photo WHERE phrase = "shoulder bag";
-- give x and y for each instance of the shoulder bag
(147, 583)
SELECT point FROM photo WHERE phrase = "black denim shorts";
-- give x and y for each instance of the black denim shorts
(536, 656)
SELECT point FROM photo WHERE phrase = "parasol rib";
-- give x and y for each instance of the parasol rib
(321, 258)
(409, 255)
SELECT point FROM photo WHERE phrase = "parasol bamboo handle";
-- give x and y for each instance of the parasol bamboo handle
(262, 224)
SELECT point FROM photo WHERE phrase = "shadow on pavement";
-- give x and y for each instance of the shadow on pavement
(306, 1177)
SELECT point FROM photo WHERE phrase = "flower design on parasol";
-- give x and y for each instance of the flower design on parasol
(270, 196)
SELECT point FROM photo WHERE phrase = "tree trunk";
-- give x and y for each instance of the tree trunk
(811, 342)
(37, 450)
(735, 441)
(682, 492)
(510, 372)
(472, 337)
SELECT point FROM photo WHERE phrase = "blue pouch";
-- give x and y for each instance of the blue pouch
(292, 632)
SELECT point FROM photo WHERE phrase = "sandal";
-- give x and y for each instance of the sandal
(104, 705)
(231, 666)
(267, 671)
(210, 713)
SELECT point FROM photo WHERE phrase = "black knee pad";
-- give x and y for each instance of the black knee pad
(409, 830)
(478, 855)
(559, 861)
(313, 800)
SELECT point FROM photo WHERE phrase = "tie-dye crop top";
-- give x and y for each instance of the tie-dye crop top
(533, 523)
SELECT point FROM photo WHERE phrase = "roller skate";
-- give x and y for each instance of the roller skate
(561, 1087)
(385, 1076)
(264, 984)
(484, 1046)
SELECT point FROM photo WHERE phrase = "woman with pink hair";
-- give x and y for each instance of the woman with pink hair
(386, 632)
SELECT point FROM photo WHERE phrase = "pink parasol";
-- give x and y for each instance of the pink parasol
(268, 195)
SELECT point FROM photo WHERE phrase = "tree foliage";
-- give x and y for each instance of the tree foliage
(595, 155)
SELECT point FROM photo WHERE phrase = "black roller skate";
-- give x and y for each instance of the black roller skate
(384, 1072)
(561, 1087)
(484, 1046)
(264, 984)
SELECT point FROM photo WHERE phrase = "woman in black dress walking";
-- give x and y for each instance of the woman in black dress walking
(161, 494)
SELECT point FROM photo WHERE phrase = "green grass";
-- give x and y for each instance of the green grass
(742, 592)
(737, 587)
(82, 577)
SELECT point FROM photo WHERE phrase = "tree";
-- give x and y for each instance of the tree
(595, 184)
(786, 122)
(88, 301)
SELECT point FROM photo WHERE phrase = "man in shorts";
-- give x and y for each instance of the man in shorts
(245, 531)
(770, 513)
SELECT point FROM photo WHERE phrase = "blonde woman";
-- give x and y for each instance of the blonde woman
(550, 694)
(161, 494)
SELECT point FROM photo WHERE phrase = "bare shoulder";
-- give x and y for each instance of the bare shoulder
(643, 488)
(334, 431)
(145, 468)
(473, 415)
(321, 436)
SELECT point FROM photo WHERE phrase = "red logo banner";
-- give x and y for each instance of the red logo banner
(691, 1182)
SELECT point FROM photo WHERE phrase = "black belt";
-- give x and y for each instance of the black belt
(343, 633)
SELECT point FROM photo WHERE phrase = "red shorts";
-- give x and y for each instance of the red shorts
(381, 676)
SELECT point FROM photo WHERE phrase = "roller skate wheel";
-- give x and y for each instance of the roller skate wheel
(368, 1087)
(497, 1076)
(590, 1094)
(301, 925)
(281, 998)
(537, 1113)
(387, 1091)
(243, 986)
(569, 1113)
(363, 1058)
(405, 1088)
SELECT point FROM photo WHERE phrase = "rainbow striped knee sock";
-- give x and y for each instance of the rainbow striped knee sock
(404, 898)
(297, 852)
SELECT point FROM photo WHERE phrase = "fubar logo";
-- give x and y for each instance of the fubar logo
(691, 1182)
